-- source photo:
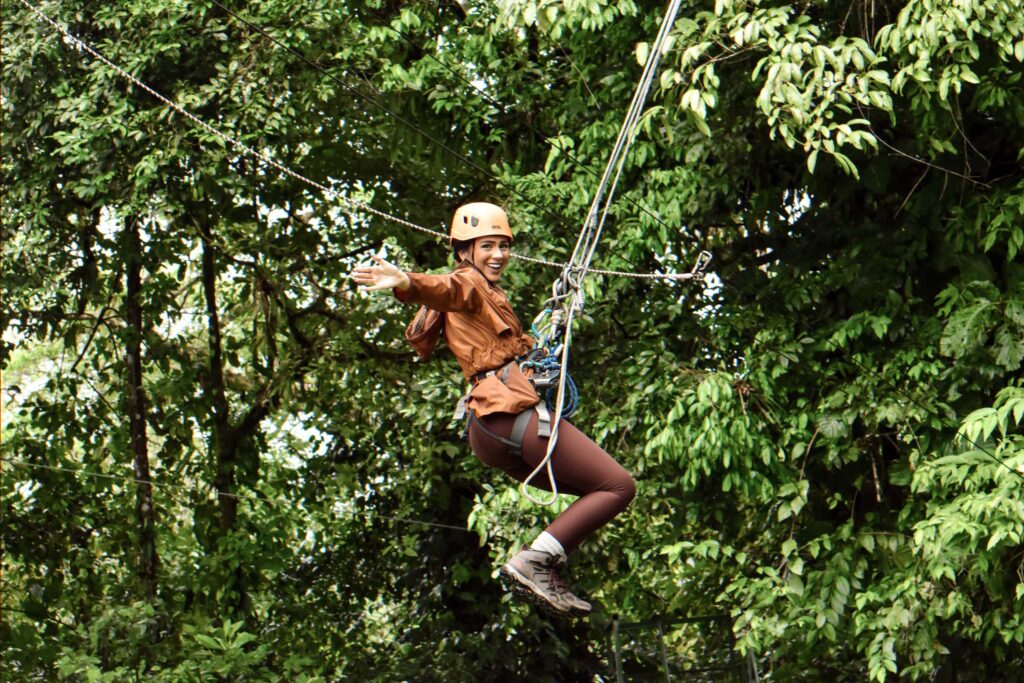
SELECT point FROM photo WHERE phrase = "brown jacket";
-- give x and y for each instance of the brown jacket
(481, 330)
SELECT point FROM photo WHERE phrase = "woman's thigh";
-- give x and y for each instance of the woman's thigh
(579, 465)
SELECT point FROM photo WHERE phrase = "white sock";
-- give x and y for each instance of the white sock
(548, 544)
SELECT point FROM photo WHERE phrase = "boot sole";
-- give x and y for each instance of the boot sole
(523, 587)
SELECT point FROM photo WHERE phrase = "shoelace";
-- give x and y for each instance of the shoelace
(558, 583)
(548, 574)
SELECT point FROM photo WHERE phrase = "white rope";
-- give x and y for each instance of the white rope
(569, 286)
(349, 206)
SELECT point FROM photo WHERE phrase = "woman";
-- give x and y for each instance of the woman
(488, 340)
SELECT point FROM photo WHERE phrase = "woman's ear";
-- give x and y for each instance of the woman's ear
(463, 250)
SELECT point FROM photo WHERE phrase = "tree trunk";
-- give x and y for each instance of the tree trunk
(137, 409)
(223, 451)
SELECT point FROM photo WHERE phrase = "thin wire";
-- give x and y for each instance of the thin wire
(921, 405)
(237, 496)
(223, 136)
(630, 132)
(350, 206)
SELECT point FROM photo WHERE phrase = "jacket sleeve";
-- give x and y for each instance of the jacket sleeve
(454, 292)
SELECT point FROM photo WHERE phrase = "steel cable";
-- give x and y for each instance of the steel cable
(350, 206)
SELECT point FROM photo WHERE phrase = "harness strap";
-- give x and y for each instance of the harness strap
(514, 443)
(481, 376)
(530, 355)
(460, 408)
(519, 431)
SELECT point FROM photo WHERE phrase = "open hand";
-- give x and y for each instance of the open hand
(384, 275)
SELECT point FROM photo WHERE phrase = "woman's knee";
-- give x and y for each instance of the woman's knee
(626, 489)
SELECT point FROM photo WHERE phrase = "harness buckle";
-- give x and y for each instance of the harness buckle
(543, 420)
(460, 408)
(545, 379)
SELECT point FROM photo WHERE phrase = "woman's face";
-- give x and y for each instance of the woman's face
(490, 255)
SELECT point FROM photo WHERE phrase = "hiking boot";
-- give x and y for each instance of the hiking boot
(577, 606)
(536, 574)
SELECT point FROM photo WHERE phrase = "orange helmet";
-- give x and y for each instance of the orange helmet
(479, 219)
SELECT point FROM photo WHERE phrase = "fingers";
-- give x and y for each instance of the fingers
(364, 275)
(374, 278)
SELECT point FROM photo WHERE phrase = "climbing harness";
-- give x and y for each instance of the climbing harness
(547, 372)
(554, 323)
(514, 442)
(541, 382)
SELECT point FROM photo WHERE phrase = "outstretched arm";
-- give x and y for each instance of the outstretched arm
(458, 291)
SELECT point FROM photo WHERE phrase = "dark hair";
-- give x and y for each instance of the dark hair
(460, 245)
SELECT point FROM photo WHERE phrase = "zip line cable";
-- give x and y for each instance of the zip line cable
(569, 286)
(350, 206)
(511, 112)
(237, 496)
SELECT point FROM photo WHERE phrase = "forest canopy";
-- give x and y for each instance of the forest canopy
(221, 461)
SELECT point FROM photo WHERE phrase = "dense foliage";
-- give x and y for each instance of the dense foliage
(827, 438)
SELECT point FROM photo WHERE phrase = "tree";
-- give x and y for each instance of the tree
(826, 439)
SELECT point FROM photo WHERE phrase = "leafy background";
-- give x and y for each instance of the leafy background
(827, 440)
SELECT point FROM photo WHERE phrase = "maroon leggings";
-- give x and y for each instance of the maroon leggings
(580, 466)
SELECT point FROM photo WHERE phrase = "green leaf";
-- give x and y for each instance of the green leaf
(643, 51)
(1009, 347)
(966, 329)
(212, 643)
